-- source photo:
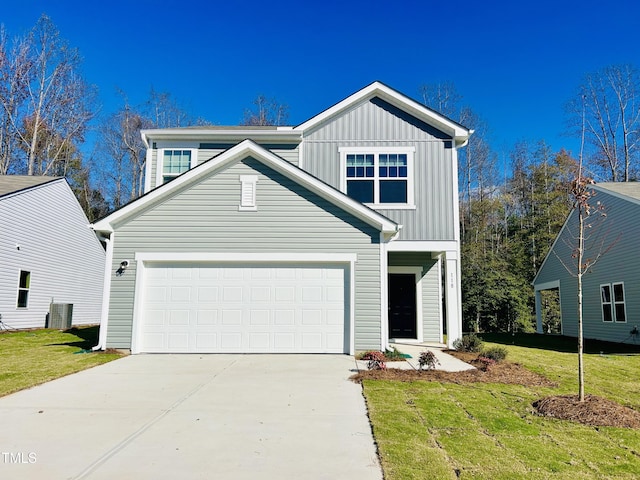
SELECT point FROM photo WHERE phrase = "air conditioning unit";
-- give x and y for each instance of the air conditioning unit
(60, 315)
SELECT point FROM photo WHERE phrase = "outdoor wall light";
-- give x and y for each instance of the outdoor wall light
(123, 267)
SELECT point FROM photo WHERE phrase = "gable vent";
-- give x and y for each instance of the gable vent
(248, 192)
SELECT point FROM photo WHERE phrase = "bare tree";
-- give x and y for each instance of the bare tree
(14, 66)
(610, 102)
(443, 97)
(46, 103)
(266, 111)
(586, 240)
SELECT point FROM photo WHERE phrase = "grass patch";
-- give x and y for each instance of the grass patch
(440, 430)
(32, 357)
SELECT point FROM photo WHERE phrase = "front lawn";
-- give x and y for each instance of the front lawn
(439, 430)
(29, 358)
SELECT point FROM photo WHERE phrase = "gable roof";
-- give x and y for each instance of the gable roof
(248, 148)
(629, 191)
(458, 132)
(10, 184)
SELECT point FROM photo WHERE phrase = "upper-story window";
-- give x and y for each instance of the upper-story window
(175, 162)
(378, 177)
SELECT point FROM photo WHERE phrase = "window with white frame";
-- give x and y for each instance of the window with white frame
(175, 162)
(613, 302)
(24, 284)
(381, 177)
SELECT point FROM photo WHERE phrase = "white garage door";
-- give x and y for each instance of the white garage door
(240, 308)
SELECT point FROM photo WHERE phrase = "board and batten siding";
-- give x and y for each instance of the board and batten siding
(375, 123)
(431, 290)
(620, 262)
(204, 217)
(57, 246)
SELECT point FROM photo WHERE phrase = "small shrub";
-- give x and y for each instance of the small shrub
(495, 353)
(486, 363)
(393, 355)
(375, 360)
(468, 343)
(427, 360)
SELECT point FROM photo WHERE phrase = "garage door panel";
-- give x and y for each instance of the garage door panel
(206, 317)
(210, 308)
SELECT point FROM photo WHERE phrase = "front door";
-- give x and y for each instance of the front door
(402, 305)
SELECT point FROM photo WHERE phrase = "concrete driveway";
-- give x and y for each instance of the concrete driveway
(192, 416)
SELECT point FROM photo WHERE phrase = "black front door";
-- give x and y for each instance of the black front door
(402, 305)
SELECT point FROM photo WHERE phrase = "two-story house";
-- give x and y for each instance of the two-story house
(330, 236)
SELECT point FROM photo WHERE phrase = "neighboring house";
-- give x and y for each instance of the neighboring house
(330, 236)
(611, 289)
(48, 253)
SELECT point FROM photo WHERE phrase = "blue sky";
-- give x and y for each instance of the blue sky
(516, 63)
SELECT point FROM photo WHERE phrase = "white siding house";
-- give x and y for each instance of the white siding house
(48, 253)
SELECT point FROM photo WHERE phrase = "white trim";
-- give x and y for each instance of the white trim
(147, 169)
(377, 89)
(144, 258)
(193, 161)
(106, 295)
(27, 289)
(417, 271)
(384, 295)
(236, 153)
(245, 257)
(248, 193)
(440, 293)
(423, 246)
(138, 302)
(216, 134)
(376, 151)
(612, 303)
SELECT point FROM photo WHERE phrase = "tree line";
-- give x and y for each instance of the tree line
(510, 211)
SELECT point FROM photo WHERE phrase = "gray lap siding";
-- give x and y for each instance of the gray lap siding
(290, 219)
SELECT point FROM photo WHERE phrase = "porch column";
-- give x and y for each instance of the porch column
(538, 312)
(453, 296)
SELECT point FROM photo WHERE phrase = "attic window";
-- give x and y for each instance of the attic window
(248, 192)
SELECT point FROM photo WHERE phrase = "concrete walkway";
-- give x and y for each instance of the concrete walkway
(448, 363)
(193, 417)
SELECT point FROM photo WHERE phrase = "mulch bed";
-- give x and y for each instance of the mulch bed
(502, 372)
(594, 411)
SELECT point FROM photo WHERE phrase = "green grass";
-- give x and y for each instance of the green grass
(29, 358)
(430, 430)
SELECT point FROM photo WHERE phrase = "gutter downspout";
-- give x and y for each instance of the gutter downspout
(106, 295)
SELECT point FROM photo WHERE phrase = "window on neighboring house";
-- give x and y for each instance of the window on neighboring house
(24, 283)
(174, 163)
(378, 177)
(613, 302)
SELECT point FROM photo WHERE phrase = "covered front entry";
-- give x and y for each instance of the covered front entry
(240, 308)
